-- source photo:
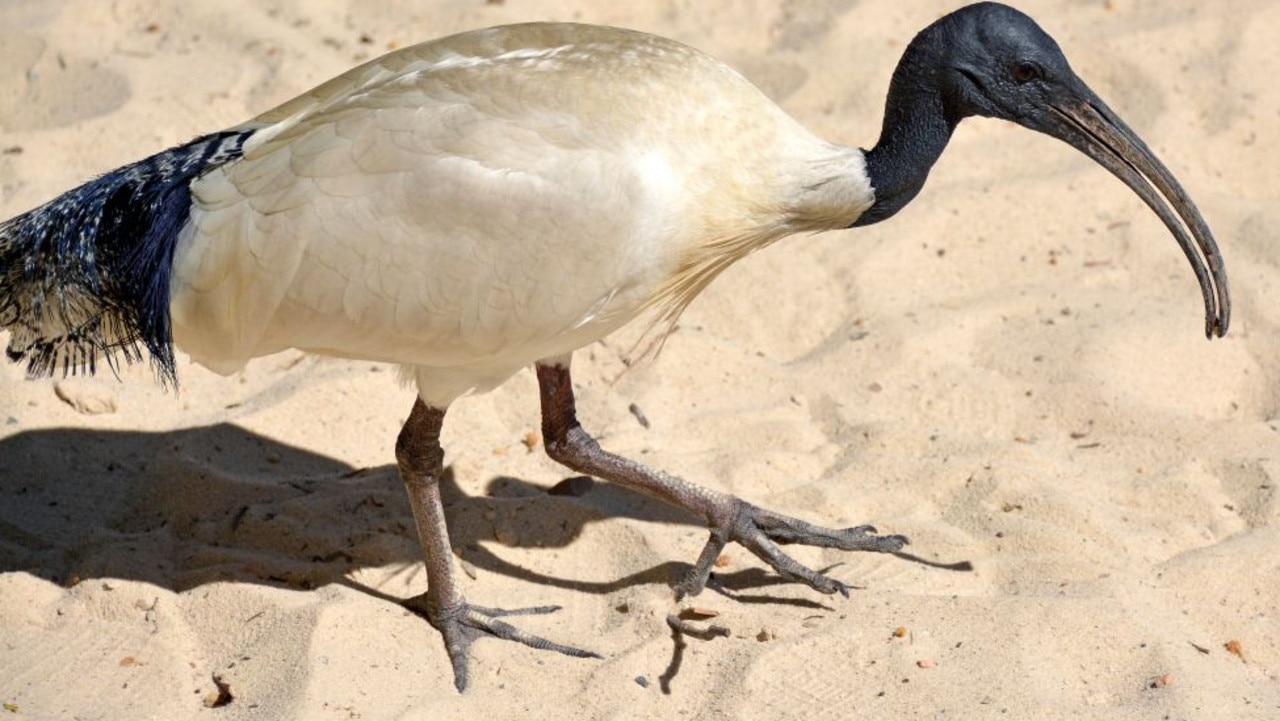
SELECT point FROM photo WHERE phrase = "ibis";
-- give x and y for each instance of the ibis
(494, 200)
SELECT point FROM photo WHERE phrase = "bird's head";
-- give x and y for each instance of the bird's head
(993, 61)
(996, 62)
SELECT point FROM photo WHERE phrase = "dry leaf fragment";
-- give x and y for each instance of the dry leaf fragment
(641, 418)
(467, 567)
(222, 696)
(1233, 648)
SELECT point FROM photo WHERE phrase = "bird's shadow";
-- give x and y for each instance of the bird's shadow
(183, 508)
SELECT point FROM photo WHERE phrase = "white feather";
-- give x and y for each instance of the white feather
(468, 206)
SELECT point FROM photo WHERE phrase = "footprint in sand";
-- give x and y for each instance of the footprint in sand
(54, 88)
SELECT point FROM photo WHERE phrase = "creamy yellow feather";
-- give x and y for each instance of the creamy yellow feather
(468, 206)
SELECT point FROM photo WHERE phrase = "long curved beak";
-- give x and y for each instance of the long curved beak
(1085, 122)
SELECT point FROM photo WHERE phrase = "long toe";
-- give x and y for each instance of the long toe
(489, 621)
(762, 531)
(865, 538)
(785, 530)
(463, 623)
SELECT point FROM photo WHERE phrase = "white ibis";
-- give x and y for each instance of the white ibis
(497, 199)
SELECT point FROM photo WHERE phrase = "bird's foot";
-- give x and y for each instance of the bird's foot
(462, 623)
(761, 531)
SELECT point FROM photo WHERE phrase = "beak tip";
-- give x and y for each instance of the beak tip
(1215, 327)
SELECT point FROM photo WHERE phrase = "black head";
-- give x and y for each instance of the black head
(991, 60)
(996, 62)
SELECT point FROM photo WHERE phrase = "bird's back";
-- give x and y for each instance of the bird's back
(487, 200)
(472, 204)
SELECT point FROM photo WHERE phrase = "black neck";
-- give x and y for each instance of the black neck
(917, 125)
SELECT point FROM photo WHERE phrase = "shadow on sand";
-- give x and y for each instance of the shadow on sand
(179, 509)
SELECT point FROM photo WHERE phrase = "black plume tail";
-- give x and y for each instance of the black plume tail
(86, 275)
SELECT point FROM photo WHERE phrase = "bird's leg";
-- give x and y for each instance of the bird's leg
(421, 460)
(729, 518)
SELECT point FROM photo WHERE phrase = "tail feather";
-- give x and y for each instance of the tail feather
(86, 276)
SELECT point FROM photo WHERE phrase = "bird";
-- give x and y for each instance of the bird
(495, 200)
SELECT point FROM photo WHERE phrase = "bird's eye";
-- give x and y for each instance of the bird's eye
(1025, 72)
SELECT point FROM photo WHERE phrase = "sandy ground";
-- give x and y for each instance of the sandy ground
(1012, 372)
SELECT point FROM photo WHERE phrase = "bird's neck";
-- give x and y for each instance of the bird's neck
(917, 125)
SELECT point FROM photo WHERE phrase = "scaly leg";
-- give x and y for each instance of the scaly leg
(729, 518)
(421, 460)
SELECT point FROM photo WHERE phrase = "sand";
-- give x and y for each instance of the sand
(1012, 372)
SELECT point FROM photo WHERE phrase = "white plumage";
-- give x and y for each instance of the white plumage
(469, 206)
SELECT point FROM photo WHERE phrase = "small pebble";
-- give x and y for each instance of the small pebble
(642, 681)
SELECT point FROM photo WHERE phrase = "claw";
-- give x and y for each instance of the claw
(839, 586)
